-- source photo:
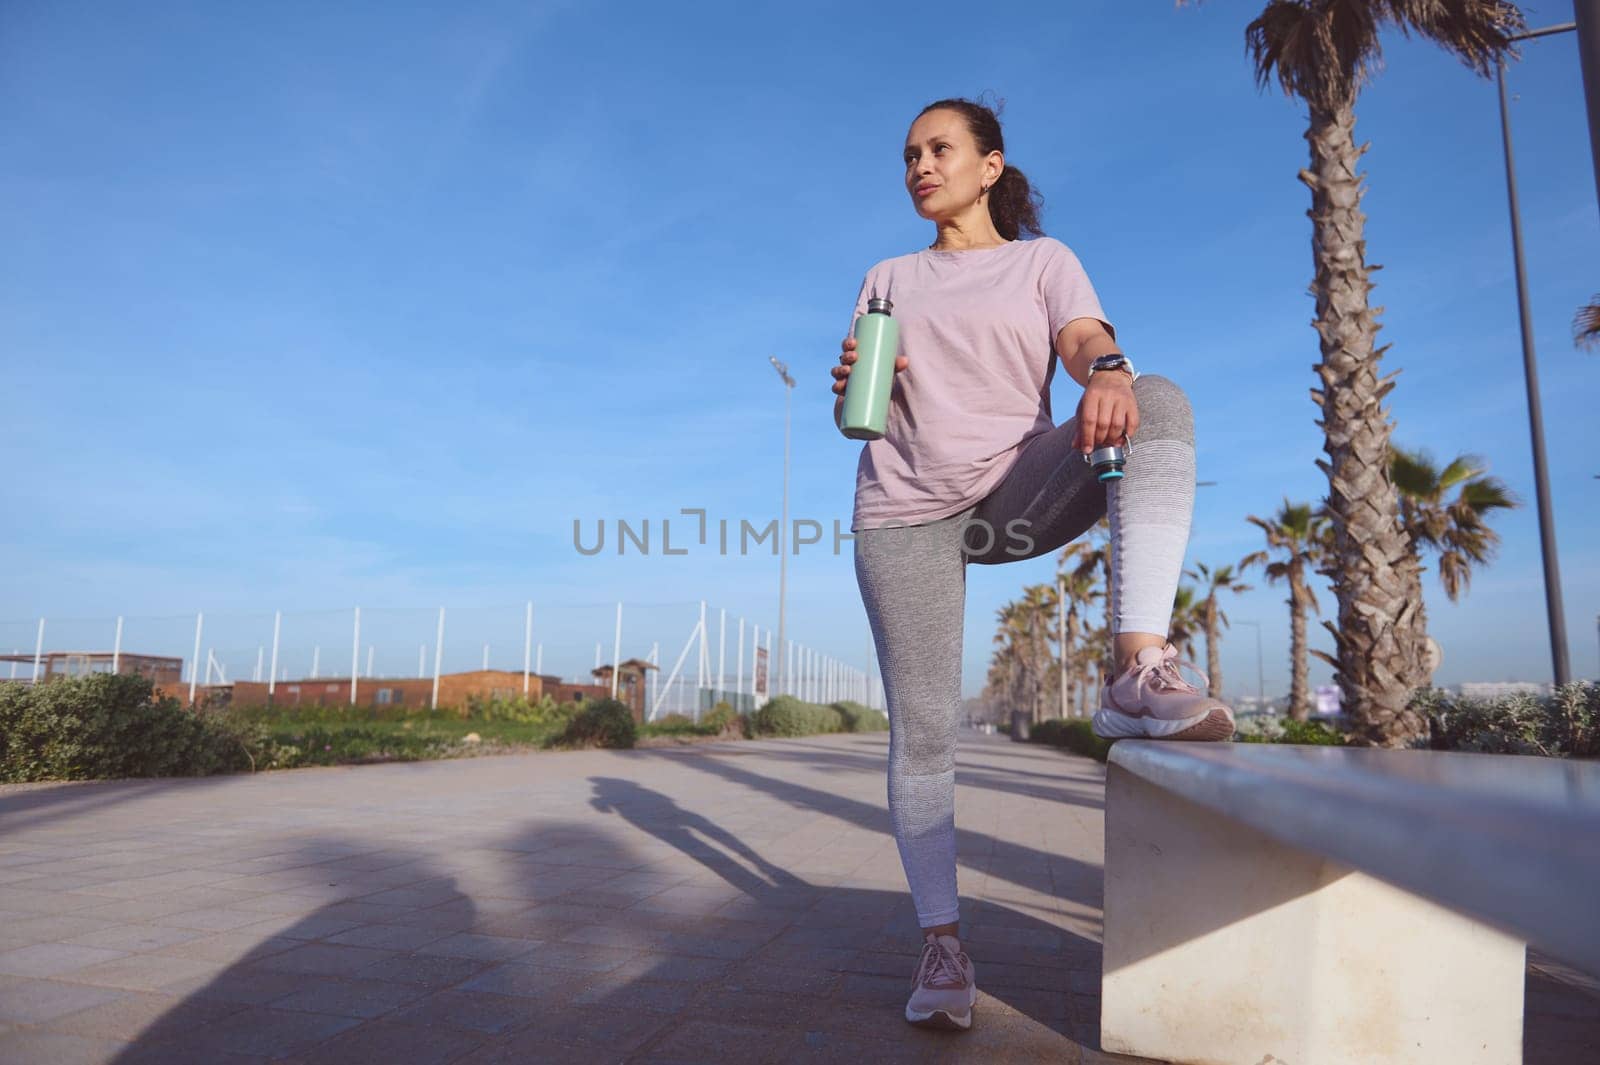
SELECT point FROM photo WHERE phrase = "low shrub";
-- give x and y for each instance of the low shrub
(1566, 722)
(108, 725)
(541, 711)
(723, 720)
(1272, 729)
(859, 718)
(601, 723)
(1074, 734)
(784, 715)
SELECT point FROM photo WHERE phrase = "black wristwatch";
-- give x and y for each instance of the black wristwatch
(1112, 362)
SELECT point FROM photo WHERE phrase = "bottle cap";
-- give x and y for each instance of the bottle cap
(878, 305)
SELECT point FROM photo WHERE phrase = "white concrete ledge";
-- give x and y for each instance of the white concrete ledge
(1265, 903)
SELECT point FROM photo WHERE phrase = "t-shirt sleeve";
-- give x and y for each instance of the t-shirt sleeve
(1067, 291)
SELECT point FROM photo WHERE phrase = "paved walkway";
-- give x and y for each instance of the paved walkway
(730, 902)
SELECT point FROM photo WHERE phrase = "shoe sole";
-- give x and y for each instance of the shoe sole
(1215, 727)
(943, 1019)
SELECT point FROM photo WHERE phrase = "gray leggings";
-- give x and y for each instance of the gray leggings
(913, 583)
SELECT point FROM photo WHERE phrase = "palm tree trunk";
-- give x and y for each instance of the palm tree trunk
(1300, 672)
(1069, 653)
(1374, 576)
(1213, 652)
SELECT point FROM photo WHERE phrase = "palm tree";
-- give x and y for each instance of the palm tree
(1022, 640)
(1456, 529)
(1187, 619)
(1212, 618)
(1323, 52)
(1297, 532)
(1076, 576)
(1586, 325)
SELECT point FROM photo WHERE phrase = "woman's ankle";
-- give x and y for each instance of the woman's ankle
(951, 930)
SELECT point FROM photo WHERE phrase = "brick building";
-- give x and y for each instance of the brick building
(161, 669)
(454, 689)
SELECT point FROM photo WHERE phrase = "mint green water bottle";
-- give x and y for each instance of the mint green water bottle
(866, 393)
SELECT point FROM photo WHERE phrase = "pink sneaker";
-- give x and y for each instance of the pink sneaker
(945, 987)
(1151, 699)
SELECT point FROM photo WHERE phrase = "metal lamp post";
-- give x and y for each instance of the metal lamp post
(1261, 676)
(1547, 530)
(783, 528)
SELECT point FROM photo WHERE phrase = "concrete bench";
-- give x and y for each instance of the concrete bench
(1273, 904)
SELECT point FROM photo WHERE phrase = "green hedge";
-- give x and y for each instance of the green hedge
(107, 725)
(1564, 723)
(1287, 730)
(785, 715)
(1074, 734)
(859, 718)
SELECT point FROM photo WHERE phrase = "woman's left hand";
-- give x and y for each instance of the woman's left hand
(1107, 412)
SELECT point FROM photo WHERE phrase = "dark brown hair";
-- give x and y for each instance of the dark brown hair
(1013, 203)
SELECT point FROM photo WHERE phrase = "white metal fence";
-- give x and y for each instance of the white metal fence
(702, 654)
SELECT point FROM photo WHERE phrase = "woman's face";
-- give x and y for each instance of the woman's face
(944, 171)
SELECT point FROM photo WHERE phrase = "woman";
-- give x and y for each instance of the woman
(972, 469)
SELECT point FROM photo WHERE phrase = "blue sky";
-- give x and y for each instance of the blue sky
(307, 305)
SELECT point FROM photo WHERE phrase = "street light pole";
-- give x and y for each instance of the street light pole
(783, 528)
(1587, 14)
(1261, 676)
(1547, 531)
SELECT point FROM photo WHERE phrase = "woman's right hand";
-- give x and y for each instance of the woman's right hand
(847, 357)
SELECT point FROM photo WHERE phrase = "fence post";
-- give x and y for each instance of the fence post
(355, 657)
(272, 677)
(722, 651)
(438, 652)
(38, 651)
(527, 647)
(616, 653)
(194, 672)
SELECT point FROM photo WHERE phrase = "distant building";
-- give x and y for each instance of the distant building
(52, 664)
(630, 683)
(455, 689)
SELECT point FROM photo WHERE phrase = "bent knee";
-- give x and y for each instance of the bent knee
(1164, 411)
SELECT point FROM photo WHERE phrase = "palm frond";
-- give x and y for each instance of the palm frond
(1586, 325)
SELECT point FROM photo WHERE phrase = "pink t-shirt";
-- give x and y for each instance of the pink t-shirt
(978, 328)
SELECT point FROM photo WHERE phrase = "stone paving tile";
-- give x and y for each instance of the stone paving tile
(133, 937)
(228, 947)
(486, 948)
(470, 1011)
(268, 1032)
(53, 959)
(20, 1046)
(389, 1042)
(432, 971)
(142, 972)
(41, 1001)
(131, 1016)
(350, 997)
(323, 959)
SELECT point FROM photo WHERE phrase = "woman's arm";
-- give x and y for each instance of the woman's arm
(1107, 412)
(1080, 342)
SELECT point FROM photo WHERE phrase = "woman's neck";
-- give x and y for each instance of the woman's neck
(954, 239)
